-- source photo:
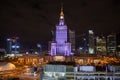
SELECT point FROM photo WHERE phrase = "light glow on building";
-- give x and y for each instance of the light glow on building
(91, 42)
(61, 46)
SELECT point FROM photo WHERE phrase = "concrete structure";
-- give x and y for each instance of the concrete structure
(61, 46)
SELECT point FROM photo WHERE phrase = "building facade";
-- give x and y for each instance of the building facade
(13, 45)
(111, 44)
(118, 44)
(61, 46)
(72, 39)
(91, 47)
(101, 45)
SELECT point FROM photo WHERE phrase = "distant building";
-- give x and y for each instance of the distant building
(111, 44)
(54, 72)
(13, 45)
(9, 46)
(71, 71)
(118, 45)
(2, 53)
(83, 44)
(61, 45)
(72, 39)
(49, 45)
(101, 45)
(91, 47)
(2, 50)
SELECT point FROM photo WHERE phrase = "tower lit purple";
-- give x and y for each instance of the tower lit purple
(61, 46)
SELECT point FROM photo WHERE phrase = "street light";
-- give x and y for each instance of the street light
(40, 46)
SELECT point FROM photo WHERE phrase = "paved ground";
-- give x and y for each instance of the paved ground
(29, 76)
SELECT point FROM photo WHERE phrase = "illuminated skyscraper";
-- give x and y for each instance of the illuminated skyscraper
(9, 46)
(111, 44)
(101, 45)
(91, 49)
(118, 44)
(61, 46)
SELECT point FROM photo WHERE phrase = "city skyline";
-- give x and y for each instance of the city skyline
(33, 21)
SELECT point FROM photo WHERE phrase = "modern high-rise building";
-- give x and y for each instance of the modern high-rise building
(91, 46)
(111, 44)
(82, 44)
(61, 45)
(118, 44)
(72, 39)
(101, 45)
(9, 46)
(13, 45)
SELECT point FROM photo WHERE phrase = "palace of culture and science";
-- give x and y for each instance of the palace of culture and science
(61, 46)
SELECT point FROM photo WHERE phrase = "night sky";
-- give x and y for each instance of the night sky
(33, 20)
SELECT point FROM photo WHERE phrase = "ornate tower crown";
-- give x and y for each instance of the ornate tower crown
(61, 13)
(61, 22)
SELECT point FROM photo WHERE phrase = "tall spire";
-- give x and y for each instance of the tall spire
(61, 13)
(61, 22)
